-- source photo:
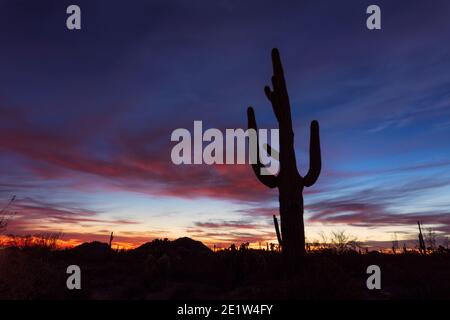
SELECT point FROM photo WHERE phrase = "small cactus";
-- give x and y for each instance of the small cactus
(277, 230)
(422, 248)
(111, 237)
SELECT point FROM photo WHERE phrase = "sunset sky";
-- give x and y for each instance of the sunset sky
(86, 116)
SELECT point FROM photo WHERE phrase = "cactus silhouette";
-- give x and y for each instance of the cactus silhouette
(289, 182)
(422, 248)
(111, 237)
(277, 230)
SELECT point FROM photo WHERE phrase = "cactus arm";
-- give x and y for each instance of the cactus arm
(273, 100)
(277, 230)
(268, 180)
(315, 160)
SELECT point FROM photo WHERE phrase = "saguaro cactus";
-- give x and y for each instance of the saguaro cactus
(289, 182)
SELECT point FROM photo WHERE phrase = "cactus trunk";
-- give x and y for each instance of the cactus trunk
(292, 228)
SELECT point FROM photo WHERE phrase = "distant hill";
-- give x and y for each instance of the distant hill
(93, 249)
(191, 245)
(182, 246)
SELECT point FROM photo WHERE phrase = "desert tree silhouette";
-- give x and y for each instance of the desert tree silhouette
(5, 215)
(289, 182)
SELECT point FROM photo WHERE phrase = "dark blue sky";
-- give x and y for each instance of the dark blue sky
(86, 115)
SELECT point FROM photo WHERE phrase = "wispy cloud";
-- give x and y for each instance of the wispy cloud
(32, 214)
(394, 205)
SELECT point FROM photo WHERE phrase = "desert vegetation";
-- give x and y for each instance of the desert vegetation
(35, 268)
